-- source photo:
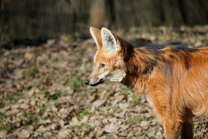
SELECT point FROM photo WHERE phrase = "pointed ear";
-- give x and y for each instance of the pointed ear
(109, 41)
(96, 35)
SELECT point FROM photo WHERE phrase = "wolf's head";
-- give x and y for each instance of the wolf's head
(109, 59)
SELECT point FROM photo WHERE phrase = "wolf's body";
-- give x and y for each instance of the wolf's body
(174, 77)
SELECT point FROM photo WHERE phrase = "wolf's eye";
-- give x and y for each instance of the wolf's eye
(102, 65)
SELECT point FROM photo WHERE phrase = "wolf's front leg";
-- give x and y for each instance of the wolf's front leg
(179, 130)
(172, 129)
(187, 129)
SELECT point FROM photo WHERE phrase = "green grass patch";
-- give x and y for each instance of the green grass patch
(51, 63)
(44, 93)
(29, 114)
(55, 99)
(134, 120)
(75, 86)
(72, 127)
(135, 100)
(120, 110)
(58, 94)
(111, 93)
(51, 114)
(80, 116)
(9, 126)
(2, 118)
(56, 102)
(124, 90)
(76, 82)
(35, 121)
(87, 111)
(31, 71)
(107, 107)
(199, 126)
(14, 101)
(37, 53)
(45, 118)
(101, 90)
(42, 109)
(143, 134)
(112, 113)
(13, 97)
(2, 104)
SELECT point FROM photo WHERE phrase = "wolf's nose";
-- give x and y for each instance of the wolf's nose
(87, 81)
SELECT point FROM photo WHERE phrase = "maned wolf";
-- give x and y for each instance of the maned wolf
(174, 77)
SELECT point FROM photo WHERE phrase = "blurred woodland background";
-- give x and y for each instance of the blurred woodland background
(20, 19)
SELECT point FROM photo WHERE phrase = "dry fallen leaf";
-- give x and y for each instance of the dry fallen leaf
(16, 124)
(84, 119)
(29, 56)
(198, 44)
(64, 133)
(31, 92)
(123, 105)
(61, 122)
(70, 99)
(23, 134)
(113, 120)
(151, 134)
(18, 73)
(111, 128)
(98, 103)
(53, 126)
(119, 96)
(115, 102)
(123, 127)
(74, 121)
(42, 129)
(145, 124)
(3, 133)
(8, 83)
(19, 62)
(47, 135)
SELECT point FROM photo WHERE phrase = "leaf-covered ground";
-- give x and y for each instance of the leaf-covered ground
(42, 94)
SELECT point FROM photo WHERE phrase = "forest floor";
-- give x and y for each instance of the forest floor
(42, 94)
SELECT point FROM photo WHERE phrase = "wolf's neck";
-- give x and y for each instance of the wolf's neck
(139, 69)
(136, 84)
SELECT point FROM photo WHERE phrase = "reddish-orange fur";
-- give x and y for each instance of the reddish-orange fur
(175, 81)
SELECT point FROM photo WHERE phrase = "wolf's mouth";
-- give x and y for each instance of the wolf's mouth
(101, 81)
